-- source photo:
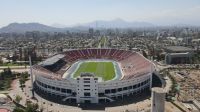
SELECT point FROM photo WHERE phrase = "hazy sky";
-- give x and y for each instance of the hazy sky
(71, 12)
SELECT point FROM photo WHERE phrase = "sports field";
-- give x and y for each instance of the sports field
(100, 69)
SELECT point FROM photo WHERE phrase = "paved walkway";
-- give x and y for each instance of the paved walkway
(168, 84)
(54, 107)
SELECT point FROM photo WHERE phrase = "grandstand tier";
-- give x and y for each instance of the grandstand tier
(132, 63)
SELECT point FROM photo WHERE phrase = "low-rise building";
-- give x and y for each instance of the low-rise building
(178, 55)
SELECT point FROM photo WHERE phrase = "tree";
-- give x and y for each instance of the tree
(144, 53)
(197, 66)
(17, 109)
(18, 98)
(1, 61)
(1, 85)
(22, 82)
(158, 56)
(7, 73)
(23, 78)
(31, 107)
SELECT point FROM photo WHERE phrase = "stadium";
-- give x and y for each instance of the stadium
(93, 75)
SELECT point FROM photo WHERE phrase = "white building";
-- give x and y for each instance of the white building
(87, 88)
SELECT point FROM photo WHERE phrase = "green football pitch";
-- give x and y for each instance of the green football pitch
(100, 69)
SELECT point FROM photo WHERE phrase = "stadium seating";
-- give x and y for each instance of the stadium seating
(132, 64)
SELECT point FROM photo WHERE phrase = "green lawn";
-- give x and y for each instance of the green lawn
(100, 69)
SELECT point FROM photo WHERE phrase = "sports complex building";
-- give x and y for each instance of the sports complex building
(93, 75)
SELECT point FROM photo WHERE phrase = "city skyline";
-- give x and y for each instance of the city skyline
(77, 12)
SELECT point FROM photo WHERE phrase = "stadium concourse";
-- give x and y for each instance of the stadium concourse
(63, 76)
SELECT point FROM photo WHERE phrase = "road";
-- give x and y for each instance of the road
(19, 70)
(14, 67)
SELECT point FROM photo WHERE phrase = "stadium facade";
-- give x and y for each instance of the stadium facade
(53, 76)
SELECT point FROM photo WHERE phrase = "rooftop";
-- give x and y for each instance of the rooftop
(179, 49)
(52, 60)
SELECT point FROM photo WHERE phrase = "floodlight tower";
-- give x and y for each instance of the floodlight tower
(151, 76)
(31, 74)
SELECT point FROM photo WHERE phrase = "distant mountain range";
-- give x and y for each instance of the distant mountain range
(117, 23)
(23, 27)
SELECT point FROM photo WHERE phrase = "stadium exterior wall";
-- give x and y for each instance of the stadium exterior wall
(67, 88)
